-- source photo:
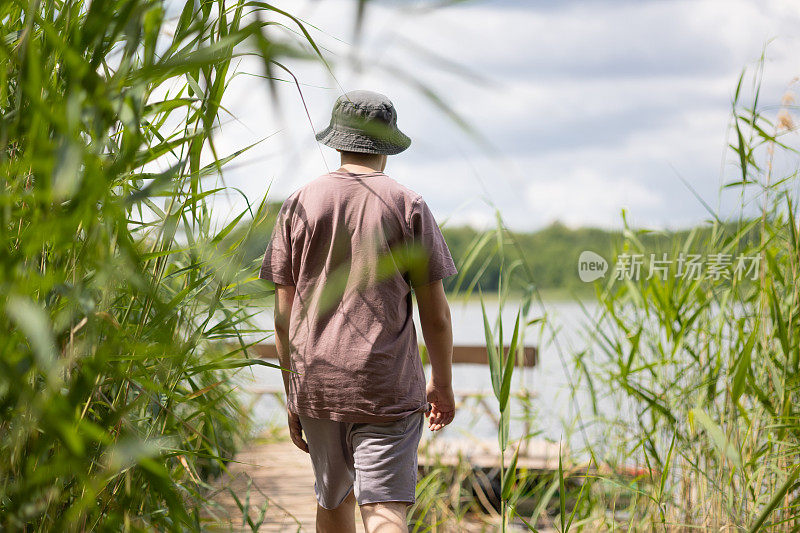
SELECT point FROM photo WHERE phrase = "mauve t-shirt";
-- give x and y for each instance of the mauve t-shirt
(353, 245)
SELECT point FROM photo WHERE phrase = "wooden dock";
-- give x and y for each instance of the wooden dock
(275, 478)
(279, 481)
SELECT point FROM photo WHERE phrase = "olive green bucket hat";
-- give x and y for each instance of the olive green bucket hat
(364, 121)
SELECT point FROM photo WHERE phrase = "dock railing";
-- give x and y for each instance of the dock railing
(462, 354)
(472, 400)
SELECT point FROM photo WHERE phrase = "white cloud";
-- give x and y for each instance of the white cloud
(593, 105)
(587, 198)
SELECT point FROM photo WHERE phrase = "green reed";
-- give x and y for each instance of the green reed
(699, 377)
(116, 400)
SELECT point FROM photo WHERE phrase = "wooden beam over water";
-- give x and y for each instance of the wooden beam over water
(462, 354)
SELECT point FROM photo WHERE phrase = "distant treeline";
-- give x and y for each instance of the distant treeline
(552, 253)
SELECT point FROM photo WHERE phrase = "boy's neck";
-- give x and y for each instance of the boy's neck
(359, 169)
(363, 163)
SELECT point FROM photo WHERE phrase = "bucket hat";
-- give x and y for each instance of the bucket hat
(364, 121)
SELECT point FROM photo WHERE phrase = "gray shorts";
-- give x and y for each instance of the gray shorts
(377, 461)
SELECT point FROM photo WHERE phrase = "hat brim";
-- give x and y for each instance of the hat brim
(348, 141)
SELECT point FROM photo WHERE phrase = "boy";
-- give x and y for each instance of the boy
(346, 251)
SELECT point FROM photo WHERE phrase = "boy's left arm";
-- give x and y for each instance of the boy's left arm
(284, 298)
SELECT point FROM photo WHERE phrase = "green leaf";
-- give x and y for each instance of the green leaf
(510, 476)
(508, 371)
(228, 364)
(491, 351)
(502, 436)
(741, 368)
(34, 323)
(717, 436)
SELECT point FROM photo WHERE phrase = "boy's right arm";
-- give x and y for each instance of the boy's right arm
(284, 299)
(434, 315)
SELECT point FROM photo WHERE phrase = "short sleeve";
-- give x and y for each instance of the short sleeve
(277, 263)
(432, 260)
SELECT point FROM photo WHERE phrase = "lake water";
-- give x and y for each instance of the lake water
(553, 410)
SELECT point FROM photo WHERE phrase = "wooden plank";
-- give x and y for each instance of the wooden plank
(539, 455)
(462, 354)
(477, 354)
(275, 475)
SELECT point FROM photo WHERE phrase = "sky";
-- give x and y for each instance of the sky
(578, 109)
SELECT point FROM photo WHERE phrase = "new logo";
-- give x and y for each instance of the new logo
(591, 266)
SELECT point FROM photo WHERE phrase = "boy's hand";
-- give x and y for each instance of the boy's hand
(296, 431)
(443, 406)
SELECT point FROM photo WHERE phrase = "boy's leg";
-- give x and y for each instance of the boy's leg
(385, 461)
(333, 474)
(385, 517)
(343, 518)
